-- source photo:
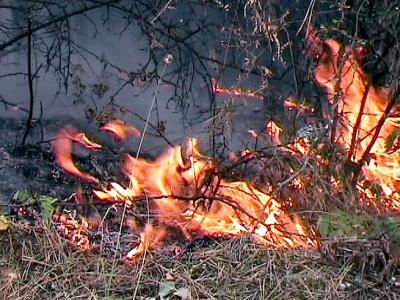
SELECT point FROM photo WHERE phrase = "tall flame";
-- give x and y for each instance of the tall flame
(361, 106)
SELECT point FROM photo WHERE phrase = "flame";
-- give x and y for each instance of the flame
(150, 239)
(184, 191)
(292, 104)
(254, 133)
(187, 195)
(361, 107)
(238, 92)
(274, 131)
(121, 130)
(63, 146)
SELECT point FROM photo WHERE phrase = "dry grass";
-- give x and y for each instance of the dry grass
(37, 264)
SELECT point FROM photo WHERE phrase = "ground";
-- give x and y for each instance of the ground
(38, 264)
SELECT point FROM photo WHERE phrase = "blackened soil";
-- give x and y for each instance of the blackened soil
(33, 167)
(30, 168)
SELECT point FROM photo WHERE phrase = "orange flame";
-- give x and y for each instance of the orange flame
(121, 130)
(361, 106)
(274, 131)
(184, 191)
(292, 104)
(63, 146)
(150, 239)
(187, 195)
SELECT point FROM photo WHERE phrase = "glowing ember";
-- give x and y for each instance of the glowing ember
(361, 107)
(121, 130)
(218, 89)
(292, 104)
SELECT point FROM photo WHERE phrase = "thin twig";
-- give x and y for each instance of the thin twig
(291, 178)
(30, 85)
(161, 11)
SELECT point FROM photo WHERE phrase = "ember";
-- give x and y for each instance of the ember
(292, 104)
(236, 92)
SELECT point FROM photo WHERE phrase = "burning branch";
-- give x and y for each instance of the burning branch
(364, 124)
(381, 122)
(354, 142)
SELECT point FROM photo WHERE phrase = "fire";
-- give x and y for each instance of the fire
(274, 131)
(361, 107)
(121, 130)
(236, 92)
(63, 147)
(150, 238)
(184, 190)
(188, 195)
(292, 104)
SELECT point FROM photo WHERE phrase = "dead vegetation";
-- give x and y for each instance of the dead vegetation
(37, 264)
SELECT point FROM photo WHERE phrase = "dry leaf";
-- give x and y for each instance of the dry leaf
(5, 223)
(183, 293)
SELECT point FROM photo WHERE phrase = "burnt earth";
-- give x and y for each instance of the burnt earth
(29, 168)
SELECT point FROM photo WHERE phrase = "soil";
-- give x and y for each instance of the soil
(30, 167)
(33, 167)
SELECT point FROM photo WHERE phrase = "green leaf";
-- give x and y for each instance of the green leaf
(23, 196)
(390, 226)
(341, 224)
(344, 224)
(391, 140)
(48, 204)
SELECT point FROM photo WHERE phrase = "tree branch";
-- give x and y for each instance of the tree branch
(381, 122)
(31, 30)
